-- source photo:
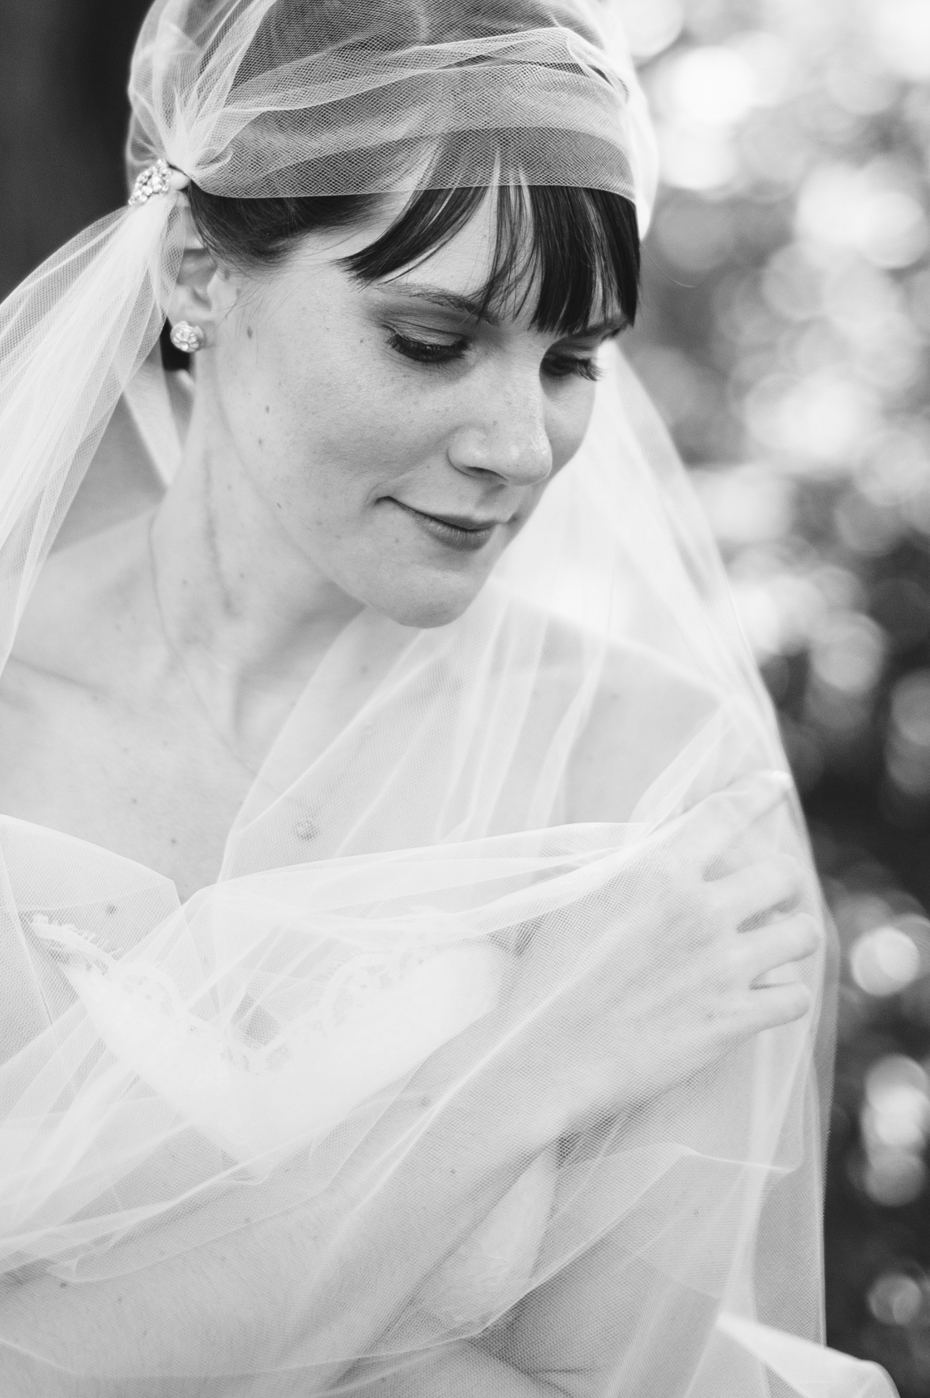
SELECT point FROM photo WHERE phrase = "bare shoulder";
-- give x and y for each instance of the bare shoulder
(82, 607)
(645, 709)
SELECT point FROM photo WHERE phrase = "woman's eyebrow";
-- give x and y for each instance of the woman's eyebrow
(475, 309)
(470, 306)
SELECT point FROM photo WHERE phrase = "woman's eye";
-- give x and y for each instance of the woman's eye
(426, 351)
(557, 366)
(569, 365)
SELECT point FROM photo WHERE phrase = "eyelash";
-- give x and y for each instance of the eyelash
(426, 352)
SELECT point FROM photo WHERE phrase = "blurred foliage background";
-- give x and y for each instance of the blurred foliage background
(785, 336)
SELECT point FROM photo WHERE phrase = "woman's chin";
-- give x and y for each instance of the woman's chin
(427, 607)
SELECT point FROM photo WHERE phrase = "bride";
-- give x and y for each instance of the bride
(412, 959)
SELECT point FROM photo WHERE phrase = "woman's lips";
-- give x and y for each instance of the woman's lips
(455, 531)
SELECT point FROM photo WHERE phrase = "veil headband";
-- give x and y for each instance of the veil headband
(275, 98)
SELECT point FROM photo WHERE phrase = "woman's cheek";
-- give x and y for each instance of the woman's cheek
(567, 428)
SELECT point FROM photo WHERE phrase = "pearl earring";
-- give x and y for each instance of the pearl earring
(187, 337)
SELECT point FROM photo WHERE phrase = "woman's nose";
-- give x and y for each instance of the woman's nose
(507, 437)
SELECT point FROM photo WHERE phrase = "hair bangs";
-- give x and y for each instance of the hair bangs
(573, 252)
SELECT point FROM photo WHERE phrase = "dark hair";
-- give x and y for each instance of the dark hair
(577, 248)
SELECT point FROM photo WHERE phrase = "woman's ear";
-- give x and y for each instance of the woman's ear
(204, 293)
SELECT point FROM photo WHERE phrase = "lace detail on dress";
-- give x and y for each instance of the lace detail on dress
(374, 1019)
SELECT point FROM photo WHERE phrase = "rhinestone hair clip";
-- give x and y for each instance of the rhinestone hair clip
(156, 179)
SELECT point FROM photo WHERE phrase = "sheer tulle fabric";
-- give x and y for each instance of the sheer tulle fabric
(272, 97)
(173, 1075)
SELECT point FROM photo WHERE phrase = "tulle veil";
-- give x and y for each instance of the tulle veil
(187, 1070)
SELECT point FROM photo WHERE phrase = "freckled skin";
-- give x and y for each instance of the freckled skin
(350, 425)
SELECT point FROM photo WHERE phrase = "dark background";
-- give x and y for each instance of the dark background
(785, 337)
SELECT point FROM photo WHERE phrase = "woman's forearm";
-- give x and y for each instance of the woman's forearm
(321, 1280)
(461, 1370)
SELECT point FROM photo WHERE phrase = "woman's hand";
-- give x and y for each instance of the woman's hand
(683, 956)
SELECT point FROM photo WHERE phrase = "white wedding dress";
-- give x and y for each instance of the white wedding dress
(363, 1026)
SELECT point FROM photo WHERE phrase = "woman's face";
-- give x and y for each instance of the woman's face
(398, 442)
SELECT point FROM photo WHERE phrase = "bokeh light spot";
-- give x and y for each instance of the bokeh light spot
(890, 1074)
(651, 25)
(818, 420)
(910, 708)
(746, 504)
(894, 1178)
(884, 961)
(907, 742)
(848, 652)
(863, 210)
(771, 63)
(896, 1299)
(902, 31)
(712, 85)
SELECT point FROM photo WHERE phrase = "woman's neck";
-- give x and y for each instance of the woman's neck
(246, 612)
